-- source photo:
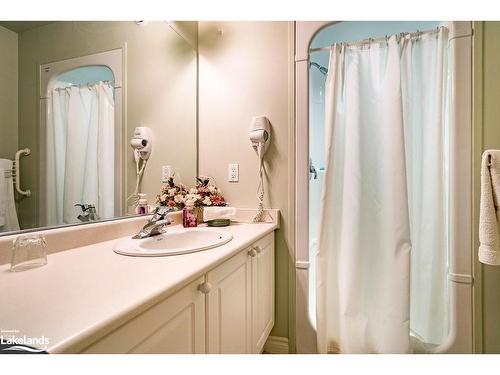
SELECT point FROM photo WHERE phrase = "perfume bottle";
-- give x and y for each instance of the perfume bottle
(142, 205)
(189, 219)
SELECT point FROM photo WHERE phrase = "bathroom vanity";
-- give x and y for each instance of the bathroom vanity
(90, 299)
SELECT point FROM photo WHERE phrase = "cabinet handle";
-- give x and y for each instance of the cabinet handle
(205, 287)
(252, 252)
(257, 249)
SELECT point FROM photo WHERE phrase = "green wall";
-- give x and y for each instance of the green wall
(487, 136)
(8, 93)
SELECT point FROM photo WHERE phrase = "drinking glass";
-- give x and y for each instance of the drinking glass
(28, 251)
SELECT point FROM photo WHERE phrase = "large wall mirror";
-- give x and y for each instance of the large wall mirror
(71, 96)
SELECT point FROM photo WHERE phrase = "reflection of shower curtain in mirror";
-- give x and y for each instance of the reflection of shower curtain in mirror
(80, 152)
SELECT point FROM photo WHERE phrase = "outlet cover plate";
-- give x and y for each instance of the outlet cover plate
(233, 172)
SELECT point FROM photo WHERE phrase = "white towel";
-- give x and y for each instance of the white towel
(8, 215)
(212, 213)
(489, 209)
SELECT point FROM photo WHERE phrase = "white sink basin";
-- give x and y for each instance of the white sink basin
(174, 242)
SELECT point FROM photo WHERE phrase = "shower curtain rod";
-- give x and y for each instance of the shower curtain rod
(88, 85)
(369, 41)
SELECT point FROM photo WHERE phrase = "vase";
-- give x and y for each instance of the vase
(199, 214)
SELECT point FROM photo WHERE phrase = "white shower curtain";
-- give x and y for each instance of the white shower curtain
(80, 152)
(425, 92)
(383, 203)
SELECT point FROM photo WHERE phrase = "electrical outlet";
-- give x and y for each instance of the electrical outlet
(166, 173)
(233, 173)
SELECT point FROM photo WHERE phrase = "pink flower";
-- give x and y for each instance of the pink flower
(218, 200)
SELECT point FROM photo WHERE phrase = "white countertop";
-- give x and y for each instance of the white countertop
(84, 293)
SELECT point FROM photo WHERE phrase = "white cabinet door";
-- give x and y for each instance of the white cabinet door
(175, 325)
(229, 306)
(262, 291)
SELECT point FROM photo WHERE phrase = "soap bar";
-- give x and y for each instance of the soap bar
(218, 223)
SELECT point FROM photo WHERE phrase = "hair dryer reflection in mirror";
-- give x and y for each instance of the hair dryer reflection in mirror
(142, 144)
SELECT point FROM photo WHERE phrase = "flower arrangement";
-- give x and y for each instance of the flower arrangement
(203, 194)
(172, 194)
(206, 194)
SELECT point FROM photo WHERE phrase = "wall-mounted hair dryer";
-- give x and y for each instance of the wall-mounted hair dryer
(260, 135)
(142, 142)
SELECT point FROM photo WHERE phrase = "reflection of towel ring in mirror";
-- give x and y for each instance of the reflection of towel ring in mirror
(16, 173)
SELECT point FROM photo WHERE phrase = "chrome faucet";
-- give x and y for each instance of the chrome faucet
(88, 212)
(156, 223)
